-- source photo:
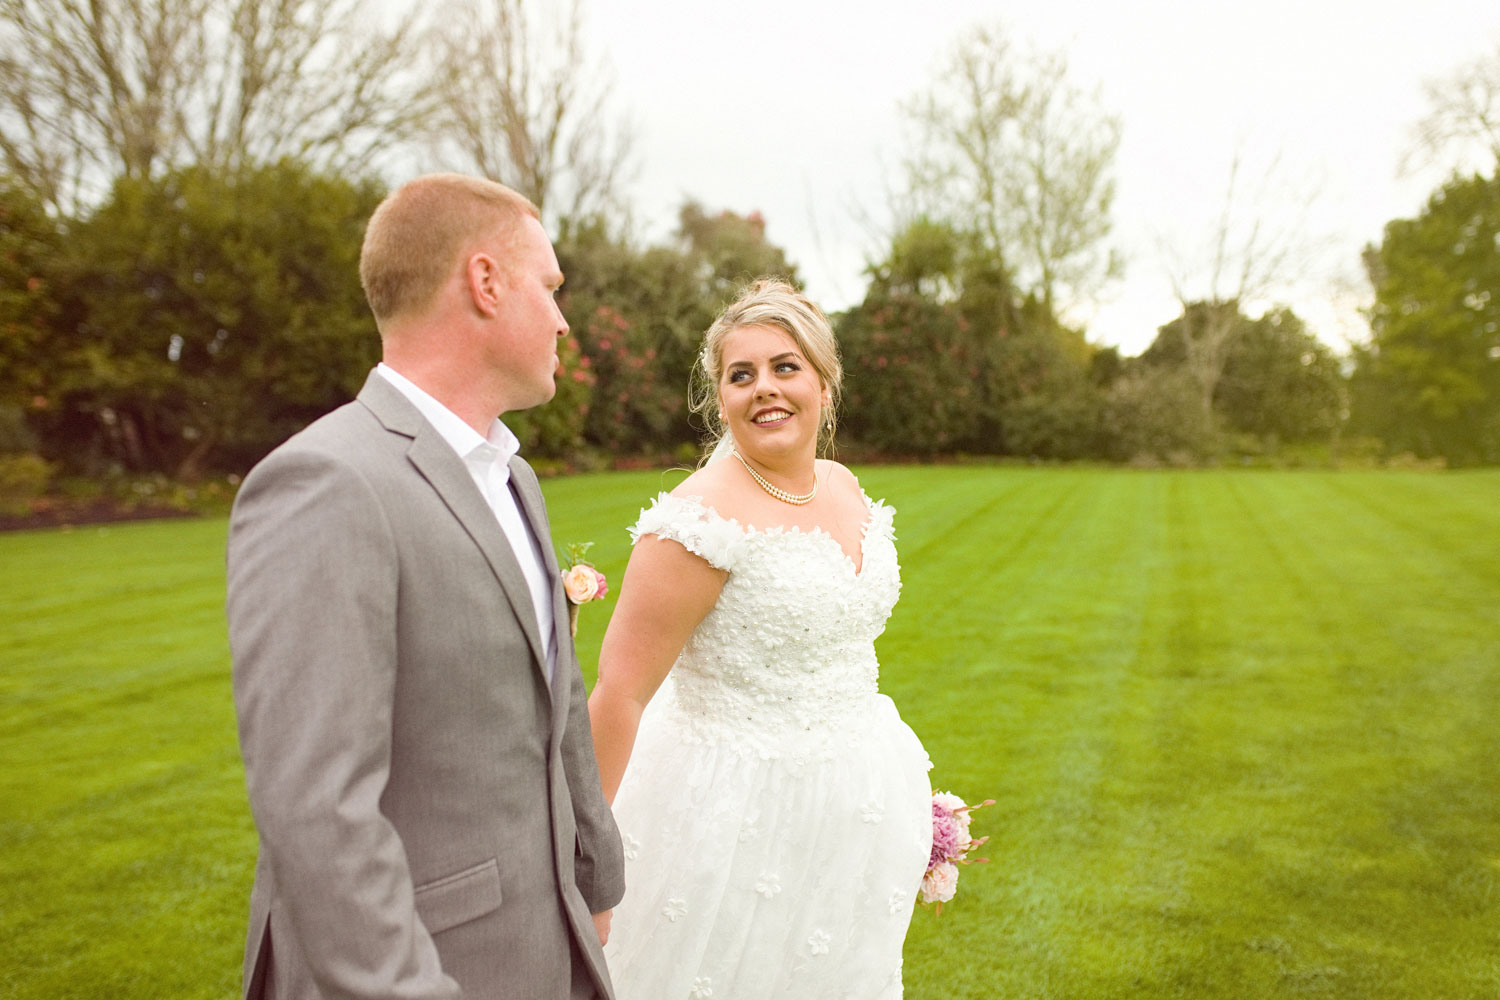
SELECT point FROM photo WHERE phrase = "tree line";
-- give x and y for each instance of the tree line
(179, 238)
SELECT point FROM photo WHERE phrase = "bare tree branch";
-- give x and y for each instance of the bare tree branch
(1462, 125)
(515, 96)
(95, 89)
(1251, 254)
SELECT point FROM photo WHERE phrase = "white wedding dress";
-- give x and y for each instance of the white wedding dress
(776, 812)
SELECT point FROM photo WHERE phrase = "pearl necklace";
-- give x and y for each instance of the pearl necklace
(776, 491)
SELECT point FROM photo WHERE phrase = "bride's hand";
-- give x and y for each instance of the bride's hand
(601, 924)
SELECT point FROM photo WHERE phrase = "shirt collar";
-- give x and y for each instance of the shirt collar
(498, 448)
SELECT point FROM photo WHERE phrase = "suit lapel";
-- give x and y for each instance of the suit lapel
(449, 477)
(534, 510)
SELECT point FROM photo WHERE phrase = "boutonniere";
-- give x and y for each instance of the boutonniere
(581, 581)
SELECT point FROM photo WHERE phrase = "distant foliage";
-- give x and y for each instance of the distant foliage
(1046, 406)
(205, 317)
(30, 240)
(1278, 383)
(193, 322)
(1151, 416)
(1281, 383)
(912, 382)
(640, 315)
(944, 356)
(22, 479)
(1428, 382)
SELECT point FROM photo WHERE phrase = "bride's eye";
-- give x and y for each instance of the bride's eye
(738, 375)
(789, 366)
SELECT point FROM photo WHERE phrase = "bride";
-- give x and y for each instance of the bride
(774, 808)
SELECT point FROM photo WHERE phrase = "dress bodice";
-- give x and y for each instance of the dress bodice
(790, 642)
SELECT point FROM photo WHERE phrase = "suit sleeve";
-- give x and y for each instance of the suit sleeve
(312, 589)
(600, 862)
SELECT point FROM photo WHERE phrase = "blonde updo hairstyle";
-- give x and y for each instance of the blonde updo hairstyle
(774, 303)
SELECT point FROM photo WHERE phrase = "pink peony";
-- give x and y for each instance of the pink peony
(958, 807)
(940, 883)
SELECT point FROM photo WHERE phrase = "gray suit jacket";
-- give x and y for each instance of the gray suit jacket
(430, 818)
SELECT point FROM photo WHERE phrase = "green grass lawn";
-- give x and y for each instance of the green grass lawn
(1241, 728)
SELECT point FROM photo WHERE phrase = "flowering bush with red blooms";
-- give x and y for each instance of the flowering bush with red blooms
(556, 429)
(638, 399)
(913, 380)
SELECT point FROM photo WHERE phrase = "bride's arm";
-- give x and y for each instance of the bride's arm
(666, 592)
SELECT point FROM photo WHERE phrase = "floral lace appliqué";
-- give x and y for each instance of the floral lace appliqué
(768, 885)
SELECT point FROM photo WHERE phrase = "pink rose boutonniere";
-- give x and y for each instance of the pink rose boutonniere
(581, 581)
(951, 845)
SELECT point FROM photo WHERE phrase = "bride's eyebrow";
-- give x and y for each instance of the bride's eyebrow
(793, 355)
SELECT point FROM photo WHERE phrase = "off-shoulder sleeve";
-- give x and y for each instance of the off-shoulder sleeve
(882, 519)
(698, 528)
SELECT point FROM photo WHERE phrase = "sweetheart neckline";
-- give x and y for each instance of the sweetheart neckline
(750, 531)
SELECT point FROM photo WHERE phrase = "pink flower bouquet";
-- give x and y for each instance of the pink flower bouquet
(951, 845)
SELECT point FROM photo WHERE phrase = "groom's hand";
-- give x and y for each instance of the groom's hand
(601, 924)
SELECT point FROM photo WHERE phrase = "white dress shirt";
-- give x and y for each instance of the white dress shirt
(488, 462)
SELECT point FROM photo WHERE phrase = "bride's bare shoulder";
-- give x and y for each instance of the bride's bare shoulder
(838, 476)
(723, 486)
(713, 484)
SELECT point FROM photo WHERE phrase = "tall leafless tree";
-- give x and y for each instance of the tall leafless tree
(1462, 124)
(1252, 252)
(308, 79)
(1007, 141)
(523, 99)
(94, 89)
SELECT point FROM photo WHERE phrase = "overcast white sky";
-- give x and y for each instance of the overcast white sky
(790, 107)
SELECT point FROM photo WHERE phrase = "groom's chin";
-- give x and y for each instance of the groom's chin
(541, 397)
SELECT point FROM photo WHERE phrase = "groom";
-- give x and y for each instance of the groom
(411, 712)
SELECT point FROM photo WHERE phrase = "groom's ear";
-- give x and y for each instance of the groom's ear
(485, 283)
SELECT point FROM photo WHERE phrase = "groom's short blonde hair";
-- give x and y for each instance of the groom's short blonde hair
(420, 235)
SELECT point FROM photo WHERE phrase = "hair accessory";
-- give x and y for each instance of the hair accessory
(780, 494)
